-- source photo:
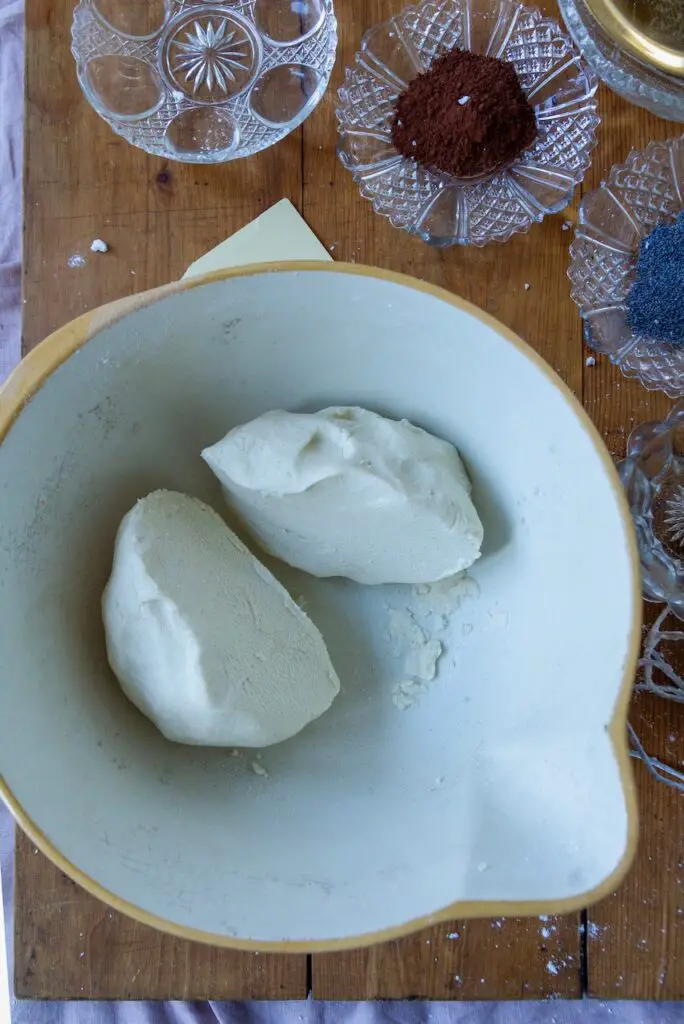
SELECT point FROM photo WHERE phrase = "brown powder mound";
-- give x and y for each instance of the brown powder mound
(467, 115)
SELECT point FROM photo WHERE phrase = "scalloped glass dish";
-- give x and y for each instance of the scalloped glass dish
(646, 190)
(653, 477)
(440, 209)
(204, 82)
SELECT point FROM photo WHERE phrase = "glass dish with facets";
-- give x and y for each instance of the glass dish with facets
(653, 478)
(204, 82)
(439, 208)
(647, 190)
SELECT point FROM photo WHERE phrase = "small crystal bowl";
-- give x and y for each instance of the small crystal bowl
(204, 82)
(439, 208)
(653, 477)
(646, 190)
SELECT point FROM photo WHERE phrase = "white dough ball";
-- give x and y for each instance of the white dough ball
(202, 637)
(346, 492)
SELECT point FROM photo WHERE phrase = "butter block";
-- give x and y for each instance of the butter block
(278, 234)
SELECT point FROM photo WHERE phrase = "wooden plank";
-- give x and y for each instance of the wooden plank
(493, 277)
(82, 183)
(636, 937)
(506, 958)
(69, 945)
(518, 959)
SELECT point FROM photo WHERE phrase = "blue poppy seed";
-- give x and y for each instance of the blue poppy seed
(655, 304)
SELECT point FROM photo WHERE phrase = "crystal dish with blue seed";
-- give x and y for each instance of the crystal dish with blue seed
(441, 209)
(644, 192)
(204, 82)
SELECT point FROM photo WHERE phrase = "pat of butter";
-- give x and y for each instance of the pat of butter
(278, 234)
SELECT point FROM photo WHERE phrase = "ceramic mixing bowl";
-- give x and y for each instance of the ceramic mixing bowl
(613, 220)
(503, 788)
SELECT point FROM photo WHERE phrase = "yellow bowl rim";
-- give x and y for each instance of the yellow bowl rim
(41, 362)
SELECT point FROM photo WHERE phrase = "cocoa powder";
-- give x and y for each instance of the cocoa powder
(467, 115)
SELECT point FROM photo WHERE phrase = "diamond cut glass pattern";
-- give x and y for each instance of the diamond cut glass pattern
(441, 209)
(646, 190)
(151, 72)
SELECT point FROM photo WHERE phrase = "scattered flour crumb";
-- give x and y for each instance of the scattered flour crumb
(545, 933)
(527, 286)
(447, 595)
(403, 626)
(405, 695)
(77, 260)
(454, 935)
(590, 361)
(410, 632)
(259, 769)
(594, 930)
(552, 967)
(421, 662)
(566, 225)
(97, 245)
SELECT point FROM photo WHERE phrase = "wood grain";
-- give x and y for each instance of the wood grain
(490, 960)
(82, 182)
(70, 945)
(506, 958)
(635, 946)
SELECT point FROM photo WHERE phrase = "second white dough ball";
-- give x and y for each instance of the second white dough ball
(346, 492)
(202, 638)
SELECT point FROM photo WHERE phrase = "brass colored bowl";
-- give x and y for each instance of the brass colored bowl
(652, 30)
(635, 46)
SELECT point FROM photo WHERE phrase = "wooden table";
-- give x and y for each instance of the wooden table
(81, 183)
